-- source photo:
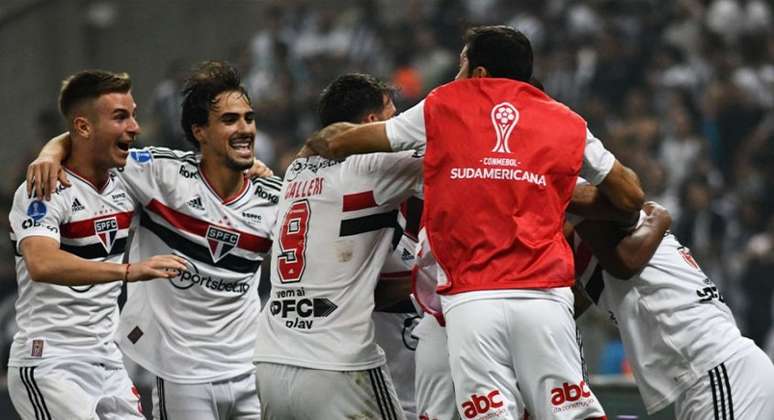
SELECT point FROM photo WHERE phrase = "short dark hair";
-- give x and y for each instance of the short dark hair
(501, 50)
(350, 97)
(206, 81)
(88, 85)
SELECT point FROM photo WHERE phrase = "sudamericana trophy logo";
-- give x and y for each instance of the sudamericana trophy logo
(504, 118)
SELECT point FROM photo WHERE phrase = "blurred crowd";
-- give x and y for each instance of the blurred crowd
(681, 91)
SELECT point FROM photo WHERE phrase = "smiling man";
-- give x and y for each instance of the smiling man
(196, 332)
(64, 362)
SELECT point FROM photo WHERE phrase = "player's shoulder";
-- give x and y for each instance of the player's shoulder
(378, 162)
(267, 188)
(162, 155)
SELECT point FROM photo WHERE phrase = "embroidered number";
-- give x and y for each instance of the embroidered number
(292, 241)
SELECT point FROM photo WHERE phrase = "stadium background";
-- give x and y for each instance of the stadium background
(682, 91)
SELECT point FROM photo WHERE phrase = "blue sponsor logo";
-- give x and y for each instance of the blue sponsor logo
(37, 210)
(141, 156)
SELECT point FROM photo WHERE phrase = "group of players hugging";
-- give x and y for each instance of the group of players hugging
(487, 217)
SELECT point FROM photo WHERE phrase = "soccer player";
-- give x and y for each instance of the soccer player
(500, 166)
(63, 362)
(317, 358)
(196, 332)
(680, 337)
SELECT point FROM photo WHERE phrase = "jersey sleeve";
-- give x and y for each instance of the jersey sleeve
(597, 161)
(407, 130)
(32, 217)
(143, 170)
(396, 176)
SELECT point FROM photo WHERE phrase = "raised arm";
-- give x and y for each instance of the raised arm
(624, 255)
(43, 172)
(589, 203)
(47, 263)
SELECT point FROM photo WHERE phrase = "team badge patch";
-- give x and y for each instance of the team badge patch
(140, 156)
(106, 230)
(221, 242)
(504, 118)
(37, 210)
(686, 254)
(37, 348)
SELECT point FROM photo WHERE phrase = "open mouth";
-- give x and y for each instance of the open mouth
(124, 145)
(243, 144)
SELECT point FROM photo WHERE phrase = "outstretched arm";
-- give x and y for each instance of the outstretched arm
(46, 170)
(622, 187)
(624, 255)
(339, 140)
(47, 263)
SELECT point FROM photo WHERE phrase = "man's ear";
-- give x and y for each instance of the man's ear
(82, 127)
(370, 118)
(198, 132)
(479, 72)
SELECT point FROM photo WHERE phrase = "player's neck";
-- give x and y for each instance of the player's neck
(82, 164)
(224, 181)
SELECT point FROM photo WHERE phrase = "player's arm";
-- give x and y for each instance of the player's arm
(582, 302)
(588, 202)
(43, 172)
(391, 291)
(624, 255)
(46, 263)
(622, 187)
(339, 140)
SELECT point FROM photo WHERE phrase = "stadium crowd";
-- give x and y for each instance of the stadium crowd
(682, 92)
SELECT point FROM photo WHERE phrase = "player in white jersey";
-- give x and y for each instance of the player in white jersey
(680, 337)
(196, 332)
(335, 230)
(63, 362)
(394, 323)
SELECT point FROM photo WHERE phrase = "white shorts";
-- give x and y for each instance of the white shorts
(232, 399)
(296, 393)
(741, 388)
(507, 348)
(73, 390)
(394, 336)
(433, 382)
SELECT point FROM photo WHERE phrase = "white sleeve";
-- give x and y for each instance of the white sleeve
(396, 176)
(143, 171)
(597, 161)
(407, 130)
(33, 217)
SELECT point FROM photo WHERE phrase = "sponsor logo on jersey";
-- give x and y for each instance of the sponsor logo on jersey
(191, 276)
(221, 242)
(266, 195)
(406, 255)
(118, 197)
(195, 203)
(251, 217)
(77, 206)
(504, 119)
(141, 156)
(489, 404)
(570, 396)
(300, 311)
(106, 230)
(37, 347)
(37, 210)
(188, 173)
(30, 223)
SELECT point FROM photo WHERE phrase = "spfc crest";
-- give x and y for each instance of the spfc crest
(686, 254)
(106, 230)
(221, 242)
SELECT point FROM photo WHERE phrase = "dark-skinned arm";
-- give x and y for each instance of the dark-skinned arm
(622, 187)
(589, 203)
(624, 255)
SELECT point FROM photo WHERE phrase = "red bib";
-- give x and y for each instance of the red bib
(501, 163)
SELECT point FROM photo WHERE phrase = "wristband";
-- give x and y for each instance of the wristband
(126, 273)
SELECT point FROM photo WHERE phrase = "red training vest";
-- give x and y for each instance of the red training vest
(501, 163)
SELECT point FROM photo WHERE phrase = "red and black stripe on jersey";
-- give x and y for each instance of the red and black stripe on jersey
(247, 241)
(86, 229)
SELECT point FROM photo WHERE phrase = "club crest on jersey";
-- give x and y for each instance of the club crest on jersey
(686, 254)
(504, 118)
(106, 230)
(221, 242)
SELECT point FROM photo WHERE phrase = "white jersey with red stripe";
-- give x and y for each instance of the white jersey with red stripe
(199, 326)
(674, 323)
(335, 229)
(78, 322)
